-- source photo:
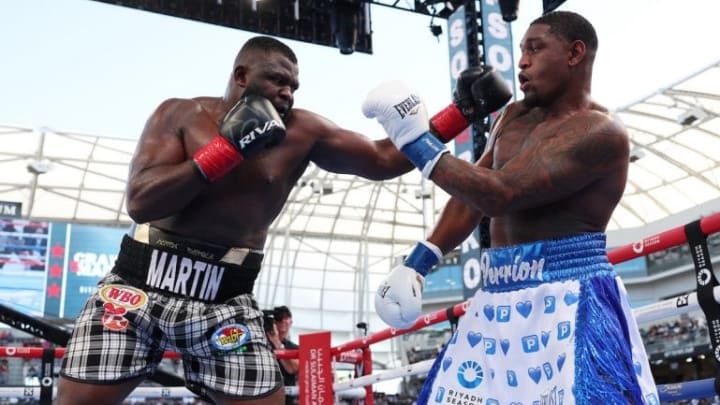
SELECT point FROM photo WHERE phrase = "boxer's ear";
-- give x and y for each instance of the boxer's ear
(240, 75)
(576, 53)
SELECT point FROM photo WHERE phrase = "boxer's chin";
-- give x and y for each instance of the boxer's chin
(531, 100)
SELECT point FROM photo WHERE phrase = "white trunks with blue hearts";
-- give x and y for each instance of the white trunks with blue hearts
(552, 325)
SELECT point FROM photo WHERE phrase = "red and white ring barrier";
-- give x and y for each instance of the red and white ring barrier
(316, 354)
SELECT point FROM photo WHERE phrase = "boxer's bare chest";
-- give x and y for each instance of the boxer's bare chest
(525, 134)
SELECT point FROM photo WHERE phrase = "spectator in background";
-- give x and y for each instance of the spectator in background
(280, 339)
(32, 377)
(8, 225)
(4, 371)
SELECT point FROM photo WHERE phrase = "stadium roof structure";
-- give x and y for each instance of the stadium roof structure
(338, 235)
(675, 136)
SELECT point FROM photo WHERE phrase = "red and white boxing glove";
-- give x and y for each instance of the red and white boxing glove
(398, 301)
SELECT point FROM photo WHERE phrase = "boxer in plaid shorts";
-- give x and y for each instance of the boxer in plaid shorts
(209, 176)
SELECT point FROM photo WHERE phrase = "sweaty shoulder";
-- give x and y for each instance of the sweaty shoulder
(603, 138)
(177, 109)
(308, 123)
(601, 122)
(514, 109)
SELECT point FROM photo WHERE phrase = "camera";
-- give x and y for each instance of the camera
(268, 320)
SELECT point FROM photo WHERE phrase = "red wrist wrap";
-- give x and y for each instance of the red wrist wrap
(449, 122)
(217, 158)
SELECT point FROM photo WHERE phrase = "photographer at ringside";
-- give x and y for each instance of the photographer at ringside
(277, 328)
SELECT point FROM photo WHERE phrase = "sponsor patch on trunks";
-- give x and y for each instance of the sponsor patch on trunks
(118, 300)
(230, 337)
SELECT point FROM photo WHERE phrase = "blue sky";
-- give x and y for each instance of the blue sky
(79, 65)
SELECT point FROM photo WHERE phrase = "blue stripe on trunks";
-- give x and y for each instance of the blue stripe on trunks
(530, 264)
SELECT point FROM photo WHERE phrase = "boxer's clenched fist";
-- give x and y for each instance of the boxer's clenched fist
(479, 91)
(398, 300)
(401, 111)
(251, 126)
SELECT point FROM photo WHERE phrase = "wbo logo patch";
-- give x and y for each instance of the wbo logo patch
(119, 299)
(124, 296)
(230, 337)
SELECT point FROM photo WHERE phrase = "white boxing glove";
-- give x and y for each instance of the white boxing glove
(402, 114)
(398, 300)
(399, 110)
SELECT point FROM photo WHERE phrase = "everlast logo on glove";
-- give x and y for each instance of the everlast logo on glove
(384, 290)
(407, 106)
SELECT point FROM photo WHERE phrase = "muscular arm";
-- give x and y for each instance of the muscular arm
(458, 220)
(456, 223)
(340, 150)
(162, 180)
(581, 151)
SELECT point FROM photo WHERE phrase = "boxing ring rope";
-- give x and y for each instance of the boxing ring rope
(37, 352)
(157, 392)
(358, 351)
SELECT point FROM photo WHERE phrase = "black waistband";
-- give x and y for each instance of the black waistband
(176, 272)
(193, 247)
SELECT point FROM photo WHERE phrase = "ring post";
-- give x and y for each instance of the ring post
(706, 283)
(46, 376)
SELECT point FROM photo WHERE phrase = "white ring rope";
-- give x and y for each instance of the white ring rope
(139, 392)
(167, 392)
(404, 371)
(670, 307)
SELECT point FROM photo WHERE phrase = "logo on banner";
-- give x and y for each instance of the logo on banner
(704, 276)
(10, 209)
(90, 264)
(682, 301)
(498, 45)
(315, 372)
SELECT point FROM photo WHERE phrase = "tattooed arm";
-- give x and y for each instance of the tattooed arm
(539, 162)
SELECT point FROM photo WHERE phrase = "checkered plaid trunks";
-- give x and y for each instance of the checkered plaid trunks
(123, 331)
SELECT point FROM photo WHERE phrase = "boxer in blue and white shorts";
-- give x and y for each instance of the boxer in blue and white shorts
(551, 323)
